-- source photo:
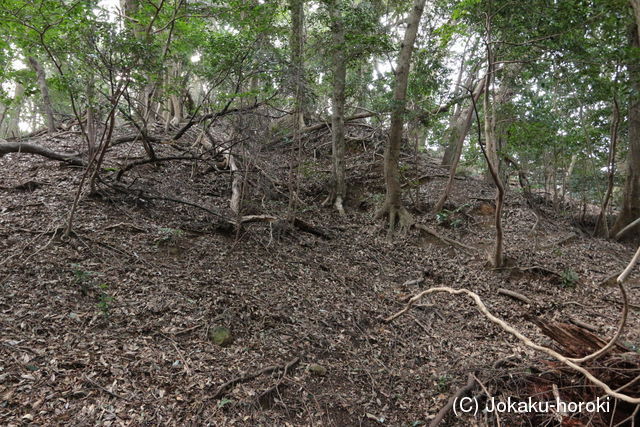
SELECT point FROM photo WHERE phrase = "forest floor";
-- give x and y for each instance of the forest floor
(114, 326)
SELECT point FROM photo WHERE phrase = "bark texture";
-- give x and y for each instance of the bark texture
(392, 207)
(631, 196)
(339, 190)
(47, 108)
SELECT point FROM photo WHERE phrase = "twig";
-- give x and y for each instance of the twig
(488, 395)
(582, 324)
(452, 400)
(515, 295)
(106, 390)
(248, 377)
(445, 239)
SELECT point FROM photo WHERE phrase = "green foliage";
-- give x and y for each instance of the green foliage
(105, 300)
(569, 278)
(451, 218)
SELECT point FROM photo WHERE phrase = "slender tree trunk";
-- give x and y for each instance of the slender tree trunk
(297, 60)
(496, 258)
(392, 206)
(602, 223)
(13, 123)
(47, 109)
(339, 189)
(631, 196)
(297, 64)
(566, 183)
(91, 120)
(453, 131)
(460, 129)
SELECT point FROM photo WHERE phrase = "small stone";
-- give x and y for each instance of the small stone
(221, 336)
(318, 370)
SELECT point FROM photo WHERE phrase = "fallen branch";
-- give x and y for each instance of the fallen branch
(29, 148)
(452, 400)
(559, 242)
(319, 126)
(515, 295)
(224, 388)
(445, 239)
(627, 228)
(582, 324)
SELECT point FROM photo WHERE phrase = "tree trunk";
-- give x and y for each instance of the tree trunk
(460, 129)
(297, 63)
(297, 60)
(453, 133)
(13, 123)
(392, 206)
(47, 109)
(602, 223)
(631, 196)
(339, 189)
(496, 258)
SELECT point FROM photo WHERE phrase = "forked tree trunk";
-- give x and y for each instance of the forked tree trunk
(631, 196)
(339, 190)
(47, 109)
(392, 207)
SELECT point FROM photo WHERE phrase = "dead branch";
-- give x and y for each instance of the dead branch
(559, 242)
(224, 388)
(515, 295)
(471, 381)
(526, 341)
(30, 148)
(582, 324)
(627, 228)
(445, 239)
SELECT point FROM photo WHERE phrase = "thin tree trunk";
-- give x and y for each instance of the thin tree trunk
(392, 206)
(296, 45)
(461, 129)
(47, 108)
(13, 125)
(631, 196)
(339, 189)
(567, 177)
(602, 224)
(496, 258)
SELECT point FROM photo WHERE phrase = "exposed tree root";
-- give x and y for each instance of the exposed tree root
(224, 388)
(510, 329)
(445, 239)
(399, 218)
(471, 382)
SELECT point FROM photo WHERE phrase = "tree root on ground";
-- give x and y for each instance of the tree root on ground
(224, 388)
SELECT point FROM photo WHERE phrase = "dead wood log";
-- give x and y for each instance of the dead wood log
(575, 341)
(71, 158)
